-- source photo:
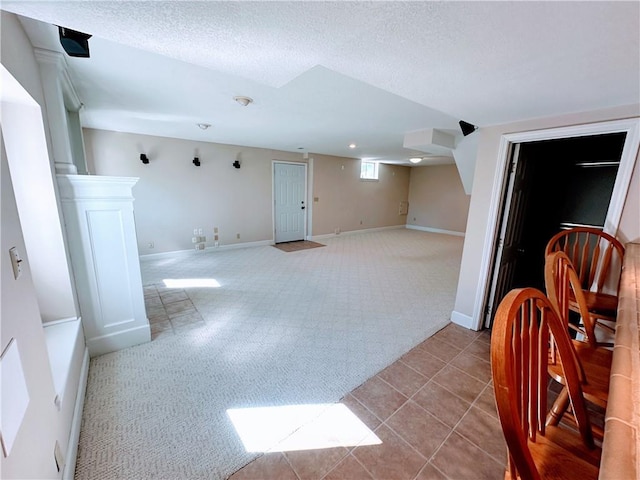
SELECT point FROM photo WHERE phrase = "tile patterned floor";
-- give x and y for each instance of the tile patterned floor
(434, 411)
(170, 310)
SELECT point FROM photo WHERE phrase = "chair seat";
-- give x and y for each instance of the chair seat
(596, 363)
(602, 305)
(560, 454)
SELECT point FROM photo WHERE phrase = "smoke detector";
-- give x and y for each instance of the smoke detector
(244, 101)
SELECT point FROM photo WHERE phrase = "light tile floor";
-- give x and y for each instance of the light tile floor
(434, 411)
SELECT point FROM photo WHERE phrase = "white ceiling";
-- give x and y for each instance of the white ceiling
(325, 74)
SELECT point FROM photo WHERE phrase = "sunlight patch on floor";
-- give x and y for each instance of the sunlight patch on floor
(300, 427)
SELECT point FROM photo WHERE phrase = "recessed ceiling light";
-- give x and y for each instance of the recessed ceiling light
(352, 145)
(203, 126)
(415, 159)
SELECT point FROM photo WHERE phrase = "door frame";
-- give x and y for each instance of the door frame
(501, 178)
(307, 210)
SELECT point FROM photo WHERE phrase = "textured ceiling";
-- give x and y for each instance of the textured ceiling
(325, 74)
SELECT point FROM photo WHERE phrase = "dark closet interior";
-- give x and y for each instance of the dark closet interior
(568, 182)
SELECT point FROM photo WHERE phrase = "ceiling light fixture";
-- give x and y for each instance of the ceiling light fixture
(415, 159)
(203, 126)
(244, 101)
(352, 145)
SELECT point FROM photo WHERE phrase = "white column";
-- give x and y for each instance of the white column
(58, 91)
(104, 253)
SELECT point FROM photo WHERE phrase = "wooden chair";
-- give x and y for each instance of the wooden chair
(565, 291)
(525, 325)
(562, 284)
(596, 257)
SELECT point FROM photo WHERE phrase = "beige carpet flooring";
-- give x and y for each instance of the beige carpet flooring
(272, 330)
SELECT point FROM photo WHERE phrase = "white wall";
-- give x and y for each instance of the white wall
(347, 203)
(25, 143)
(437, 199)
(478, 222)
(22, 315)
(173, 196)
(32, 454)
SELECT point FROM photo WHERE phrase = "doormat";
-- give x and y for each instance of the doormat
(297, 245)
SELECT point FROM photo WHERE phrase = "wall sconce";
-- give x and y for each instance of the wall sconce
(236, 164)
(196, 161)
(144, 158)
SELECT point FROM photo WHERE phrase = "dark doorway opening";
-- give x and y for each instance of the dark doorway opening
(552, 185)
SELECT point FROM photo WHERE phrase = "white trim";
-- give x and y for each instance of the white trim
(627, 161)
(61, 338)
(435, 230)
(463, 320)
(309, 198)
(356, 232)
(235, 246)
(230, 246)
(76, 422)
(119, 340)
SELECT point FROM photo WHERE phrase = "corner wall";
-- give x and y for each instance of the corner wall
(470, 283)
(437, 201)
(347, 203)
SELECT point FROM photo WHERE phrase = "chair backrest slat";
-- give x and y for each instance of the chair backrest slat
(562, 285)
(525, 326)
(595, 255)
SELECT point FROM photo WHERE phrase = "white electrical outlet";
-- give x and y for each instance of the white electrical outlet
(195, 231)
(199, 231)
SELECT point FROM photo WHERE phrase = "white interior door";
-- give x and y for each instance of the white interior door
(508, 249)
(290, 182)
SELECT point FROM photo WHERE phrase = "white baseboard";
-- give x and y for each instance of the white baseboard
(435, 230)
(356, 232)
(76, 422)
(462, 320)
(231, 246)
(119, 340)
(234, 246)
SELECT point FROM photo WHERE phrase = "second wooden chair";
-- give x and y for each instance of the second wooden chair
(597, 258)
(563, 285)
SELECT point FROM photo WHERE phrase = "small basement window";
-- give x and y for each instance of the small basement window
(369, 170)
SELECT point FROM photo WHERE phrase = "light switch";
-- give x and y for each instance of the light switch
(15, 262)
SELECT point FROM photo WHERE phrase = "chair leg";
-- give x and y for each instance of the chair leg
(559, 407)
